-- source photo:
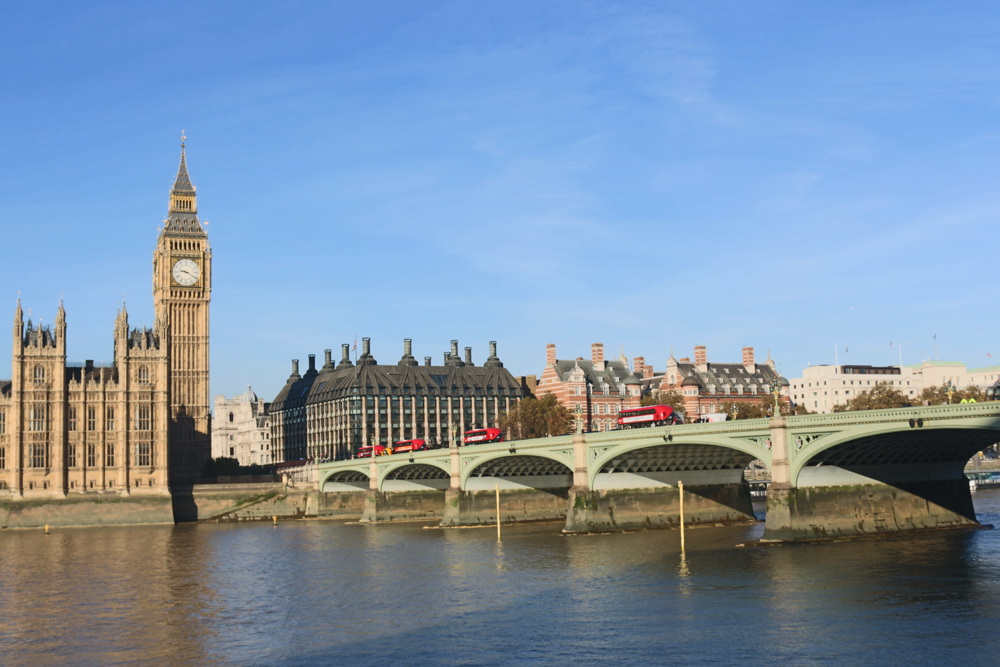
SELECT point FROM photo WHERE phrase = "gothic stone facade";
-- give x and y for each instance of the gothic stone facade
(331, 412)
(139, 424)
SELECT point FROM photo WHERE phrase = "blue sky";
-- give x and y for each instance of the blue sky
(784, 175)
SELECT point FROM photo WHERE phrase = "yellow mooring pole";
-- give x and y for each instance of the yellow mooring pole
(497, 487)
(680, 486)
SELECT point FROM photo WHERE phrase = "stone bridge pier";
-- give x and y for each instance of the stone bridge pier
(638, 488)
(869, 477)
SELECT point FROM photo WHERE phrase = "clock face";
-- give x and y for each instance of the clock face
(185, 272)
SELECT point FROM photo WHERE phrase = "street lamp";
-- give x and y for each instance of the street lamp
(949, 389)
(776, 390)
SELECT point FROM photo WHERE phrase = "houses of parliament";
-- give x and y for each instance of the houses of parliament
(137, 425)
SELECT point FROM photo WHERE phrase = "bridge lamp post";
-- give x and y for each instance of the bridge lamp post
(776, 390)
(949, 390)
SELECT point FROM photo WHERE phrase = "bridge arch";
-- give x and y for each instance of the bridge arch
(661, 460)
(406, 476)
(537, 469)
(345, 480)
(942, 447)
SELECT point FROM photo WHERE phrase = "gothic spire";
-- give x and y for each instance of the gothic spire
(183, 181)
(183, 216)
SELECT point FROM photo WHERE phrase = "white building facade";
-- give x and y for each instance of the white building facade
(241, 429)
(822, 387)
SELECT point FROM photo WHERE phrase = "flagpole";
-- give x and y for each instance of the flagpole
(836, 356)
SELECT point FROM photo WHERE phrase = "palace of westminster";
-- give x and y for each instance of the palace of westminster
(137, 425)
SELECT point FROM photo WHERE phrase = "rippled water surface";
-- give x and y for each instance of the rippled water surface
(319, 592)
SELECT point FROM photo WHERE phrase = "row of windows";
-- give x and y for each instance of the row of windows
(844, 383)
(38, 455)
(38, 419)
(142, 374)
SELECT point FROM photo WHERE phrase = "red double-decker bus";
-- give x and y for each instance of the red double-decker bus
(481, 436)
(653, 415)
(380, 450)
(416, 445)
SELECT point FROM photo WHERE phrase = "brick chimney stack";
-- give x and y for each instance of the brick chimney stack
(701, 358)
(648, 372)
(748, 362)
(550, 353)
(639, 366)
(597, 356)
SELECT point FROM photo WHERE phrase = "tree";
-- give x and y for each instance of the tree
(939, 395)
(748, 410)
(880, 397)
(672, 398)
(536, 418)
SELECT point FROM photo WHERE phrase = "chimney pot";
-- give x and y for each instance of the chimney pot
(468, 355)
(427, 361)
(597, 353)
(327, 357)
(345, 352)
(366, 345)
(493, 348)
(454, 348)
(312, 362)
(408, 346)
(295, 366)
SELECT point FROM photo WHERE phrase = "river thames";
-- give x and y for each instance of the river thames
(324, 592)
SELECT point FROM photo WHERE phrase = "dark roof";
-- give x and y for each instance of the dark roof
(100, 373)
(5, 386)
(143, 338)
(183, 222)
(408, 380)
(616, 373)
(728, 375)
(183, 182)
(32, 334)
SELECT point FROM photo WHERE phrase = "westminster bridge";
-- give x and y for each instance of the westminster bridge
(845, 473)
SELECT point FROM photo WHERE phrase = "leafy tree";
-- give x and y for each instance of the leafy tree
(973, 393)
(883, 395)
(801, 409)
(939, 395)
(672, 398)
(536, 418)
(747, 410)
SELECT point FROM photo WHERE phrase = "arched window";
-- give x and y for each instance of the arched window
(230, 416)
(39, 372)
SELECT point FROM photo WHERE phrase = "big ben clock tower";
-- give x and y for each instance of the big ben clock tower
(182, 289)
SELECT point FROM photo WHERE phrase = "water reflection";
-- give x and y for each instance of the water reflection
(360, 594)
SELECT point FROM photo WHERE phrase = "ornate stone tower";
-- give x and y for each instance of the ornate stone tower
(182, 289)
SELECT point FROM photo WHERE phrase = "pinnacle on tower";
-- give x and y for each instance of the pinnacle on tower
(183, 215)
(183, 181)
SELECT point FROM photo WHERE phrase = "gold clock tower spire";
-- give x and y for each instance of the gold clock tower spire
(182, 290)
